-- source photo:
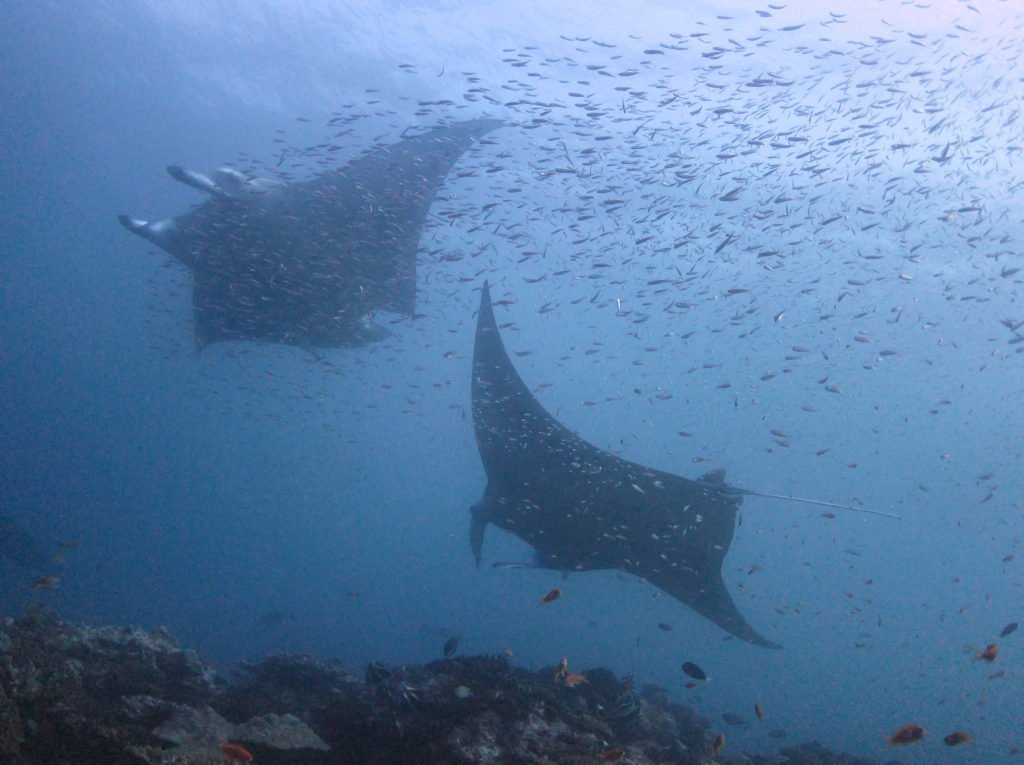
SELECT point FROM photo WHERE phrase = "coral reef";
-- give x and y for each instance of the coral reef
(71, 695)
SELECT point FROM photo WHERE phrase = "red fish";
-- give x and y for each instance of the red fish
(46, 583)
(958, 737)
(717, 744)
(236, 752)
(555, 594)
(990, 653)
(908, 734)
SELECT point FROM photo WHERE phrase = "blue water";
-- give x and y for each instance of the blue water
(855, 170)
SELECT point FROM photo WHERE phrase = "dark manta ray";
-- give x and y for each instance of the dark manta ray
(583, 509)
(307, 263)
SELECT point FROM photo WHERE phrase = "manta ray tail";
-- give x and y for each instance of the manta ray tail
(477, 526)
(809, 501)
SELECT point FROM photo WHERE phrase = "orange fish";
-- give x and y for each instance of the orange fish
(717, 744)
(612, 755)
(958, 737)
(990, 653)
(908, 734)
(574, 678)
(236, 752)
(555, 594)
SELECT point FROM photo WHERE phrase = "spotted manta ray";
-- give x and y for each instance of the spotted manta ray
(308, 263)
(584, 509)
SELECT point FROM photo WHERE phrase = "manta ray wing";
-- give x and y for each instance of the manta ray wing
(306, 263)
(582, 508)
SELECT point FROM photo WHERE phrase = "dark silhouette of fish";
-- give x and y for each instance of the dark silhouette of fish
(694, 671)
(308, 263)
(451, 645)
(584, 509)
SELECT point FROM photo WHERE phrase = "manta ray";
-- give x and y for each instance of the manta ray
(307, 263)
(585, 509)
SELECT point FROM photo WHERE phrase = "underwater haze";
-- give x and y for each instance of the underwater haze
(782, 239)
